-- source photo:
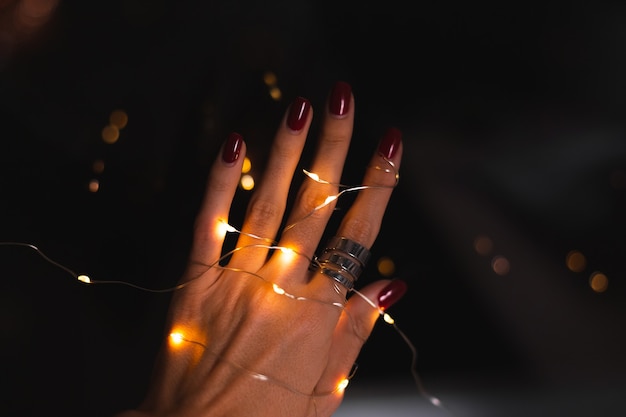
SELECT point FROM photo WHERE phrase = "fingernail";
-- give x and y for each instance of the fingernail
(391, 293)
(298, 112)
(339, 100)
(232, 148)
(390, 143)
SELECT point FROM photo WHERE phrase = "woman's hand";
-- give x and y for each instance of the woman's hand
(271, 330)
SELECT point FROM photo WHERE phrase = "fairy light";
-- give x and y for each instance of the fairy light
(222, 227)
(176, 338)
(343, 384)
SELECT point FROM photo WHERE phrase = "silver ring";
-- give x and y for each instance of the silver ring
(349, 246)
(346, 263)
(338, 276)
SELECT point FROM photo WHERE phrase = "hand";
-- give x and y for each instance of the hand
(260, 332)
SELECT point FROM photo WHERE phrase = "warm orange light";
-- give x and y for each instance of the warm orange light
(176, 338)
(246, 166)
(94, 186)
(287, 254)
(500, 265)
(110, 134)
(269, 78)
(275, 93)
(575, 261)
(341, 387)
(483, 245)
(247, 182)
(386, 266)
(118, 118)
(598, 282)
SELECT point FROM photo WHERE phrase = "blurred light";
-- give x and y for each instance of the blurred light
(110, 134)
(598, 282)
(94, 186)
(31, 14)
(386, 266)
(246, 166)
(483, 245)
(275, 93)
(269, 78)
(343, 384)
(575, 261)
(118, 118)
(98, 166)
(247, 182)
(500, 265)
(176, 338)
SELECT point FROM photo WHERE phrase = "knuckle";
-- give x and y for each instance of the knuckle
(313, 198)
(264, 211)
(360, 230)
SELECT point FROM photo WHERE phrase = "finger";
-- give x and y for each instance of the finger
(310, 214)
(362, 222)
(209, 227)
(355, 326)
(267, 206)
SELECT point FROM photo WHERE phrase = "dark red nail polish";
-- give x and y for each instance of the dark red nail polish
(391, 293)
(298, 112)
(232, 148)
(339, 100)
(390, 143)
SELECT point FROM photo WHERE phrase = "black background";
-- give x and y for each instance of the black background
(513, 121)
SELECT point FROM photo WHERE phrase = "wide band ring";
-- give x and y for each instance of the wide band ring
(349, 246)
(338, 276)
(345, 262)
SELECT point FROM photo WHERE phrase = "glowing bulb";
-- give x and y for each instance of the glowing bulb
(330, 199)
(84, 278)
(343, 384)
(388, 318)
(312, 175)
(287, 253)
(278, 290)
(223, 227)
(177, 338)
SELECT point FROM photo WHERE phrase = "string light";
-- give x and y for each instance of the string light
(178, 337)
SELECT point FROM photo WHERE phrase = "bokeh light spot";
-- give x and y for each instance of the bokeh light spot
(483, 245)
(386, 266)
(110, 134)
(247, 182)
(275, 93)
(575, 261)
(500, 265)
(246, 166)
(269, 78)
(94, 186)
(598, 282)
(118, 118)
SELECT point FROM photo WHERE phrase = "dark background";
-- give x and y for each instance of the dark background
(513, 121)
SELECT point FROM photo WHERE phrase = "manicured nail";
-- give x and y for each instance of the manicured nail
(232, 148)
(298, 112)
(339, 100)
(390, 143)
(391, 293)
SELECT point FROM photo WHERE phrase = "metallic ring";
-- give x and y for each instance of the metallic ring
(338, 276)
(346, 263)
(352, 248)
